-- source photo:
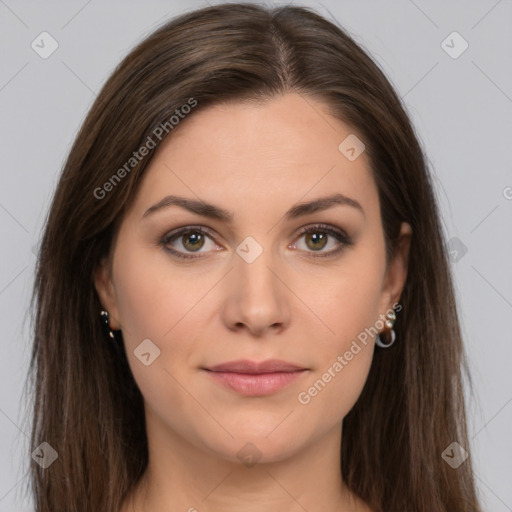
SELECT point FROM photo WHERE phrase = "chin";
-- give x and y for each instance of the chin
(251, 445)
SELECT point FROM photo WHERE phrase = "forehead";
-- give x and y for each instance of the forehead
(240, 154)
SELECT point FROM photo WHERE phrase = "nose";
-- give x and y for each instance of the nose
(256, 297)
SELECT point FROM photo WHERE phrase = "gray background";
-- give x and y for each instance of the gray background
(462, 110)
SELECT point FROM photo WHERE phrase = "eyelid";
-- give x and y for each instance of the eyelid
(344, 240)
(189, 227)
(176, 233)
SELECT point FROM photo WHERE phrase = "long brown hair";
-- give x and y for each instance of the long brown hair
(87, 405)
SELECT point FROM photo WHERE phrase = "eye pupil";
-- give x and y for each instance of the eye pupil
(316, 237)
(195, 236)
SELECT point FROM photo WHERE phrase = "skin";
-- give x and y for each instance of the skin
(255, 161)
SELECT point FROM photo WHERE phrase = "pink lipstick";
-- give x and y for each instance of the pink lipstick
(253, 378)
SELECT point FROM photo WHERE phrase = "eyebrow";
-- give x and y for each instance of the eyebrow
(214, 212)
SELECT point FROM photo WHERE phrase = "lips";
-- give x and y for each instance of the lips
(252, 378)
(253, 367)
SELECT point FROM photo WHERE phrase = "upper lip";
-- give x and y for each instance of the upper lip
(247, 366)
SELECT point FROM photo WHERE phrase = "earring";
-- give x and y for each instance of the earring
(106, 322)
(390, 320)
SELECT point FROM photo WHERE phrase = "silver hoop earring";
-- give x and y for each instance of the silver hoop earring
(106, 322)
(390, 321)
(378, 340)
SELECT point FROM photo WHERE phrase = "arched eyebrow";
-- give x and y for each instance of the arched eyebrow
(215, 212)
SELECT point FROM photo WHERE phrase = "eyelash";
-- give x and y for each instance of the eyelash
(339, 235)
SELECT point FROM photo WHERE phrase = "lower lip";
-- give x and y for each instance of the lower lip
(255, 384)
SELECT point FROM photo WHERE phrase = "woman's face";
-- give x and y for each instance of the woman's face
(253, 287)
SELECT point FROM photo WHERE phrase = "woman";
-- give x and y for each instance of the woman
(243, 300)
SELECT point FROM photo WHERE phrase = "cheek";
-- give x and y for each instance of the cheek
(349, 308)
(152, 297)
(153, 307)
(335, 387)
(162, 306)
(347, 305)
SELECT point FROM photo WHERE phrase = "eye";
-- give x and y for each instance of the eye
(316, 238)
(191, 238)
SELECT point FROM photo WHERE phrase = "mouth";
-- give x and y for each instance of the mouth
(253, 378)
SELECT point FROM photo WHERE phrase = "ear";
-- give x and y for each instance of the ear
(106, 292)
(396, 273)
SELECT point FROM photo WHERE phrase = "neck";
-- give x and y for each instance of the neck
(182, 476)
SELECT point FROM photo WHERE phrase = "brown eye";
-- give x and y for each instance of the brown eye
(193, 240)
(187, 240)
(317, 237)
(316, 241)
